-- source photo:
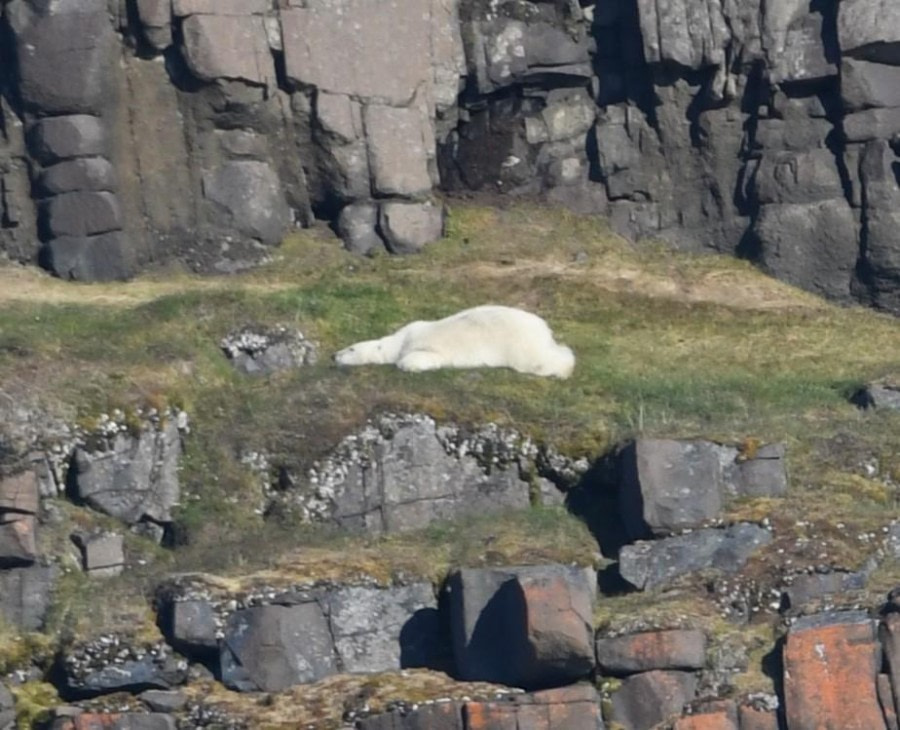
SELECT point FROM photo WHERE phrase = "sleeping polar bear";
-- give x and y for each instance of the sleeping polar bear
(488, 336)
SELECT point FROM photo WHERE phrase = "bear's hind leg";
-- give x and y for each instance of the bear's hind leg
(419, 360)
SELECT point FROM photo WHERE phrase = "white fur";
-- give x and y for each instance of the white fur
(488, 336)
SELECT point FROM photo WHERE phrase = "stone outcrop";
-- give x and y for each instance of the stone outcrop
(206, 131)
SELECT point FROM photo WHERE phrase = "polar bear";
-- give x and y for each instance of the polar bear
(487, 336)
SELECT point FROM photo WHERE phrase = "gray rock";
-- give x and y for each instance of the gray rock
(760, 474)
(403, 472)
(801, 55)
(398, 141)
(878, 395)
(82, 214)
(89, 173)
(103, 554)
(356, 226)
(813, 246)
(668, 485)
(270, 648)
(648, 699)
(651, 564)
(338, 47)
(20, 493)
(683, 649)
(7, 700)
(60, 138)
(65, 54)
(889, 637)
(872, 124)
(263, 351)
(865, 84)
(131, 477)
(107, 257)
(163, 700)
(18, 545)
(409, 227)
(794, 134)
(25, 595)
(528, 626)
(183, 8)
(228, 47)
(250, 193)
(379, 630)
(114, 664)
(805, 589)
(117, 721)
(690, 34)
(868, 29)
(798, 177)
(570, 117)
(156, 22)
(192, 626)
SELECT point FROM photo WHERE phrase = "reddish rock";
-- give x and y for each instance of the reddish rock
(19, 493)
(647, 699)
(886, 699)
(17, 540)
(676, 649)
(752, 718)
(89, 721)
(831, 663)
(490, 716)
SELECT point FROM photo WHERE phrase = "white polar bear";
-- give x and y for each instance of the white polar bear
(488, 336)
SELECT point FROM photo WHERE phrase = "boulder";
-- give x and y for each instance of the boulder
(228, 47)
(84, 174)
(25, 595)
(409, 227)
(806, 589)
(65, 55)
(102, 554)
(119, 663)
(272, 647)
(673, 649)
(813, 246)
(831, 663)
(116, 721)
(192, 626)
(649, 564)
(163, 700)
(17, 540)
(528, 627)
(798, 177)
(668, 485)
(267, 350)
(753, 718)
(757, 471)
(684, 32)
(886, 700)
(249, 192)
(399, 140)
(59, 138)
(870, 29)
(107, 257)
(647, 699)
(131, 477)
(81, 214)
(865, 84)
(403, 471)
(889, 636)
(872, 124)
(19, 493)
(378, 630)
(182, 8)
(356, 225)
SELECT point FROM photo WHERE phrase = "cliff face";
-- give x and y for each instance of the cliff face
(144, 130)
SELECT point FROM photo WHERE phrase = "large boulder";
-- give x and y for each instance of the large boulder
(870, 29)
(228, 47)
(25, 595)
(673, 649)
(645, 700)
(668, 485)
(61, 138)
(528, 627)
(65, 54)
(106, 257)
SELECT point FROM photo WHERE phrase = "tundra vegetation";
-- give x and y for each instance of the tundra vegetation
(667, 345)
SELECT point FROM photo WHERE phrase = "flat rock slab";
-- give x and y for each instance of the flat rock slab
(61, 138)
(831, 664)
(25, 595)
(649, 564)
(266, 350)
(672, 649)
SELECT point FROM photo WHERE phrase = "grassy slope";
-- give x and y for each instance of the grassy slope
(667, 344)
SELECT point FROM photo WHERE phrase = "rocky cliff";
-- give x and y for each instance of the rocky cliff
(137, 131)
